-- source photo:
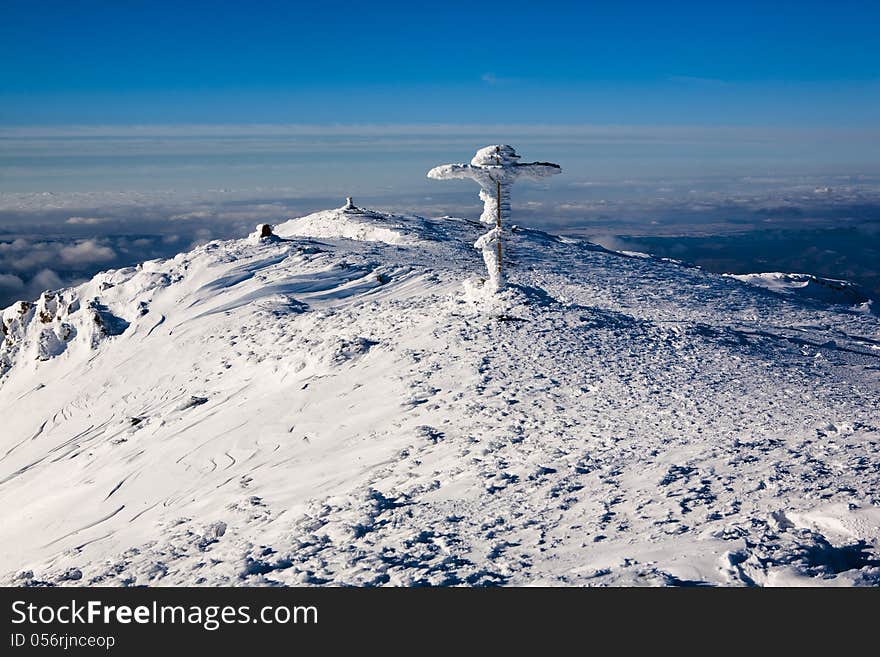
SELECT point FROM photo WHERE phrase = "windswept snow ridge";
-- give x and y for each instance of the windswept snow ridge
(341, 402)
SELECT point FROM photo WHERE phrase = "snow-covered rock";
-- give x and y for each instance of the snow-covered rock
(345, 404)
(807, 286)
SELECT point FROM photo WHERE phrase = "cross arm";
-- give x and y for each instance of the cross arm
(537, 169)
(454, 171)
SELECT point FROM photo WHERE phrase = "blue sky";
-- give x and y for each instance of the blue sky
(131, 130)
(675, 63)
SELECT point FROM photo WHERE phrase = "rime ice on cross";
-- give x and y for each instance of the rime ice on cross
(495, 168)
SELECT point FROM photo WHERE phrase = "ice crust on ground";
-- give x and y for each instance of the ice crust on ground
(344, 403)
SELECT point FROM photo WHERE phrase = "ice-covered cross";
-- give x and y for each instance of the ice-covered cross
(495, 168)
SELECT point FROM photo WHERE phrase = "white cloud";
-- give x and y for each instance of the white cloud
(86, 251)
(14, 287)
(10, 283)
(46, 279)
(22, 255)
(202, 236)
(18, 244)
(86, 221)
(189, 216)
(614, 243)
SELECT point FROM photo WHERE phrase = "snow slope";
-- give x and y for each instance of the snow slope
(343, 404)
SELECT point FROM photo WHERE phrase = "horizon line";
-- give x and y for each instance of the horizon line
(392, 129)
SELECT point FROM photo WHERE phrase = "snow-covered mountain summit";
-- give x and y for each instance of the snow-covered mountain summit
(343, 403)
